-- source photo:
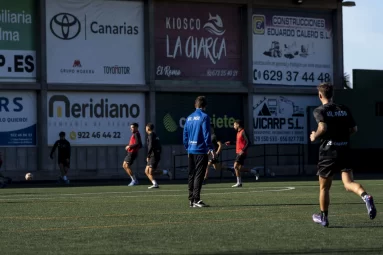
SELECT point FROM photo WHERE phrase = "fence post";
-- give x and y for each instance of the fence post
(264, 160)
(174, 166)
(221, 172)
(299, 159)
(303, 159)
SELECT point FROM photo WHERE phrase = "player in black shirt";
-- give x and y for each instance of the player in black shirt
(217, 145)
(63, 156)
(335, 126)
(154, 156)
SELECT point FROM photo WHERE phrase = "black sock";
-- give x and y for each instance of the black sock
(324, 214)
(363, 194)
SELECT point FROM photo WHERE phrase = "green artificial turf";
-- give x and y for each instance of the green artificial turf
(260, 218)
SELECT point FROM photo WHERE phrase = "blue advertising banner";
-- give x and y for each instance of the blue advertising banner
(17, 118)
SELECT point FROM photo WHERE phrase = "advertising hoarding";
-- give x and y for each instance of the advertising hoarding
(292, 48)
(99, 42)
(18, 40)
(18, 118)
(173, 109)
(281, 119)
(197, 41)
(94, 118)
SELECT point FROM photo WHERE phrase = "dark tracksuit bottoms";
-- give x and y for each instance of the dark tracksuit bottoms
(197, 170)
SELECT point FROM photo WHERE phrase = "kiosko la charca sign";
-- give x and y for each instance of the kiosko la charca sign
(197, 41)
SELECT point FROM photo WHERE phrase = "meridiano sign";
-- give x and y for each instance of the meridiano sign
(94, 118)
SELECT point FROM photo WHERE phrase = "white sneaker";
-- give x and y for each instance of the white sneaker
(154, 187)
(133, 183)
(238, 185)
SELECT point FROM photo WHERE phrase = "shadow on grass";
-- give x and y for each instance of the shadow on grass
(292, 204)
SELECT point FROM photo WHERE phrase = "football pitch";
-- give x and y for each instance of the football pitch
(259, 218)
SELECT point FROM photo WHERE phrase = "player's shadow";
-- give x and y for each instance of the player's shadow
(314, 251)
(292, 204)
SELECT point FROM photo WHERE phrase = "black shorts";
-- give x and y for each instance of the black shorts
(130, 158)
(214, 160)
(64, 162)
(153, 162)
(328, 167)
(240, 159)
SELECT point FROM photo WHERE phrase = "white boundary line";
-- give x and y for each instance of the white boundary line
(75, 195)
(138, 191)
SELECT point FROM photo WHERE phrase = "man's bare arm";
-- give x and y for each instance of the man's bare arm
(322, 128)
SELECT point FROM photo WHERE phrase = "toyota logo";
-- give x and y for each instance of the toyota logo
(65, 26)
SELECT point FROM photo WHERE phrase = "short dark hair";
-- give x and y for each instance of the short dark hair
(239, 122)
(326, 89)
(134, 124)
(62, 133)
(150, 126)
(201, 102)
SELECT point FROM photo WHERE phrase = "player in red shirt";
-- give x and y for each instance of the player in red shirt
(241, 145)
(132, 148)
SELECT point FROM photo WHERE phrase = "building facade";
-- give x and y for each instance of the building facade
(91, 68)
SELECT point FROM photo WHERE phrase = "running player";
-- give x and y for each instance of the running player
(154, 156)
(132, 148)
(64, 151)
(242, 144)
(217, 144)
(335, 126)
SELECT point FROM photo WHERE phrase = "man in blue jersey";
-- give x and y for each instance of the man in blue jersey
(197, 142)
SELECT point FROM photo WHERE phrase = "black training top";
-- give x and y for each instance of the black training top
(214, 142)
(335, 142)
(154, 144)
(63, 149)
